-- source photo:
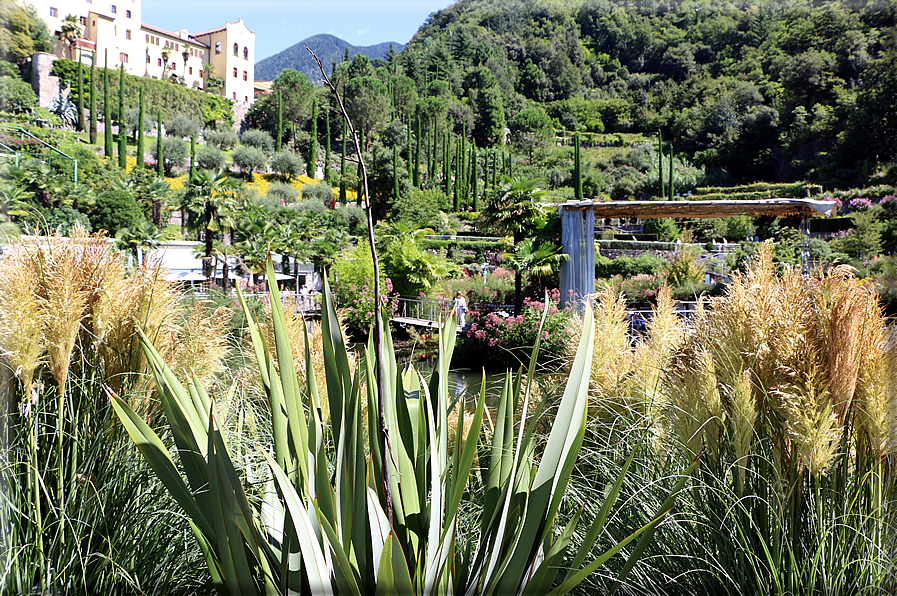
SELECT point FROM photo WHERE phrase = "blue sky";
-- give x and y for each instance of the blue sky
(278, 24)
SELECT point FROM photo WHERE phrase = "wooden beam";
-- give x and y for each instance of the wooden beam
(708, 209)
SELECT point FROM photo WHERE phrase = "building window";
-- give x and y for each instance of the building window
(246, 98)
(148, 38)
(200, 74)
(127, 34)
(159, 61)
(147, 58)
(55, 13)
(235, 73)
(113, 9)
(236, 49)
(191, 70)
(83, 21)
(235, 96)
(201, 52)
(245, 76)
(174, 65)
(123, 58)
(245, 53)
(128, 13)
(217, 47)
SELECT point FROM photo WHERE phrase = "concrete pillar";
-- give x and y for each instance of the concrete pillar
(578, 239)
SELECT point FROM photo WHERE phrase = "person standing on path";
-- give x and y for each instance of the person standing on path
(460, 308)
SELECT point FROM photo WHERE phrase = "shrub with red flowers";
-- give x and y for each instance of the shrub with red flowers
(356, 304)
(500, 340)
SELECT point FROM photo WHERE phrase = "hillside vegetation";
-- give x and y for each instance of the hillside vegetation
(761, 90)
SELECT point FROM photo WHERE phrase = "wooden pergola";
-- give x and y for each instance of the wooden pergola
(578, 227)
(803, 208)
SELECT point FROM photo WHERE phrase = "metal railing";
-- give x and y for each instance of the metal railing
(426, 309)
(438, 309)
(17, 154)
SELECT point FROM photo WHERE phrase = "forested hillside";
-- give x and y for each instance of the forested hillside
(771, 90)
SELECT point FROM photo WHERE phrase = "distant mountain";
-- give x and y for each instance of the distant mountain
(326, 47)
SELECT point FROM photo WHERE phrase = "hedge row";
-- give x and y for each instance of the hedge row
(157, 95)
(474, 245)
(637, 245)
(793, 189)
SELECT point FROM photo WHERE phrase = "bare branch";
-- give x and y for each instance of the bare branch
(385, 450)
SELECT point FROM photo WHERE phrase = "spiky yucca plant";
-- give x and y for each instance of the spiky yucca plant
(323, 527)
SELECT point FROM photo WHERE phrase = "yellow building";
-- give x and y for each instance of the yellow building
(114, 31)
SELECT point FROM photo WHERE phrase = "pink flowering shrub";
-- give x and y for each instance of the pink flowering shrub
(839, 204)
(889, 204)
(860, 204)
(500, 340)
(356, 305)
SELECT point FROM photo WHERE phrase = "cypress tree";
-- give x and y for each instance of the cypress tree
(577, 169)
(671, 171)
(107, 111)
(416, 172)
(122, 126)
(494, 168)
(432, 146)
(80, 97)
(342, 169)
(141, 163)
(461, 182)
(327, 145)
(93, 99)
(160, 166)
(660, 162)
(459, 157)
(313, 141)
(395, 171)
(278, 138)
(473, 178)
(447, 165)
(192, 155)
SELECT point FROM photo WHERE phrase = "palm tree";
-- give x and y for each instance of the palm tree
(131, 239)
(539, 262)
(70, 32)
(517, 209)
(166, 54)
(210, 202)
(185, 55)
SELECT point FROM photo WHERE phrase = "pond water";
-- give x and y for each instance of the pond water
(464, 383)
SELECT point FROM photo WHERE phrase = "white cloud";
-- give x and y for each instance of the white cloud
(364, 31)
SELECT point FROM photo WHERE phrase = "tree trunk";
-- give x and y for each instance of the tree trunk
(210, 238)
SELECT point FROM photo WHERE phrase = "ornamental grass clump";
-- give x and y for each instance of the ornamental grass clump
(78, 513)
(808, 346)
(787, 385)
